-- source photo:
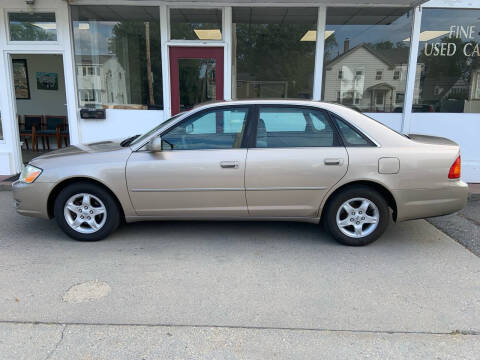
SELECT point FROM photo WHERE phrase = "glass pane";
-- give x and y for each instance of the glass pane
(32, 27)
(118, 56)
(350, 136)
(273, 52)
(448, 65)
(197, 81)
(366, 57)
(216, 129)
(291, 127)
(196, 24)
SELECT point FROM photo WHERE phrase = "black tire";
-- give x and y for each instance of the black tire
(111, 222)
(357, 191)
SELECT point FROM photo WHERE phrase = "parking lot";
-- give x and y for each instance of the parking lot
(234, 290)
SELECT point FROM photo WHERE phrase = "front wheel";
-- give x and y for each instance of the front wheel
(357, 216)
(86, 212)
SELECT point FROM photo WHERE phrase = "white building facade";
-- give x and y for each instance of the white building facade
(412, 65)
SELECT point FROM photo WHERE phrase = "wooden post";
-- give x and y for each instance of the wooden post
(149, 63)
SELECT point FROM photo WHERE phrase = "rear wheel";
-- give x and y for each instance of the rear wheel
(86, 212)
(357, 216)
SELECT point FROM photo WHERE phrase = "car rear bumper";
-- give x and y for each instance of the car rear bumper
(423, 203)
(32, 199)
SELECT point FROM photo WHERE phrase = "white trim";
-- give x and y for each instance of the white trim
(167, 111)
(227, 51)
(319, 53)
(70, 78)
(411, 71)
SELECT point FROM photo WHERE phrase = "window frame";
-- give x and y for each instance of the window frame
(31, 42)
(252, 134)
(243, 142)
(171, 41)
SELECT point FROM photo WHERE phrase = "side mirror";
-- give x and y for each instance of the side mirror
(155, 145)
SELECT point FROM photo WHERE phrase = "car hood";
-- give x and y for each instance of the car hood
(92, 148)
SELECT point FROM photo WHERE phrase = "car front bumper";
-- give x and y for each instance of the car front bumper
(424, 203)
(32, 199)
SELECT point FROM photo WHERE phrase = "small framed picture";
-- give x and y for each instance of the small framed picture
(20, 79)
(47, 81)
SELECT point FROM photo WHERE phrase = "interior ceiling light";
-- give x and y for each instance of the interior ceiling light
(429, 35)
(84, 26)
(311, 35)
(213, 34)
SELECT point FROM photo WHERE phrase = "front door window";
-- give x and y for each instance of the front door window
(215, 129)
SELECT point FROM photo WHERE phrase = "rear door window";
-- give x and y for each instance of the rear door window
(284, 126)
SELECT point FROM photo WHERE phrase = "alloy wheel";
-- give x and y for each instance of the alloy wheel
(85, 213)
(357, 217)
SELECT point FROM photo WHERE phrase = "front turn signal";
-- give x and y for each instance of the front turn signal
(455, 169)
(29, 174)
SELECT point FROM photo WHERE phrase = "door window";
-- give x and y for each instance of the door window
(293, 127)
(214, 129)
(350, 136)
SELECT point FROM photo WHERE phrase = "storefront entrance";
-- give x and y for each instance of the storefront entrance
(40, 103)
(196, 76)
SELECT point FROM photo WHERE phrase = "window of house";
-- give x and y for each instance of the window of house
(379, 98)
(196, 24)
(399, 98)
(214, 129)
(119, 50)
(273, 52)
(448, 61)
(293, 127)
(36, 26)
(396, 75)
(340, 74)
(360, 41)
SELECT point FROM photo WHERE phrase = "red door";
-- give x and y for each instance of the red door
(196, 76)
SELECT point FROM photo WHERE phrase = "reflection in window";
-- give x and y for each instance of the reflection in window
(367, 46)
(273, 52)
(118, 56)
(32, 26)
(448, 65)
(214, 129)
(196, 24)
(283, 127)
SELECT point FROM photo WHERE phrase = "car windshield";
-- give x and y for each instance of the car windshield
(139, 139)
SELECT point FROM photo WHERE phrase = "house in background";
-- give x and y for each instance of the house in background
(368, 79)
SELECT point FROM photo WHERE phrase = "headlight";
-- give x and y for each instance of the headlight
(29, 174)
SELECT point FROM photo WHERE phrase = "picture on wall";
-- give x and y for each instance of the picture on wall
(47, 81)
(20, 79)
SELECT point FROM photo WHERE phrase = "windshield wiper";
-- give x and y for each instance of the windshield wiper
(127, 141)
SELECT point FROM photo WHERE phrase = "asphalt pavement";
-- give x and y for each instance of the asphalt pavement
(463, 226)
(234, 290)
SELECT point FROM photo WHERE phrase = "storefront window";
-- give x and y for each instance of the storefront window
(196, 24)
(25, 26)
(366, 57)
(448, 65)
(118, 56)
(273, 52)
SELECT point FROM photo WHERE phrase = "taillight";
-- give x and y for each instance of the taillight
(454, 172)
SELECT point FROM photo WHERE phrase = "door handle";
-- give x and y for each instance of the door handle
(229, 164)
(333, 161)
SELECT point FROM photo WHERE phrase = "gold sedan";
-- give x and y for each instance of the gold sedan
(249, 160)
